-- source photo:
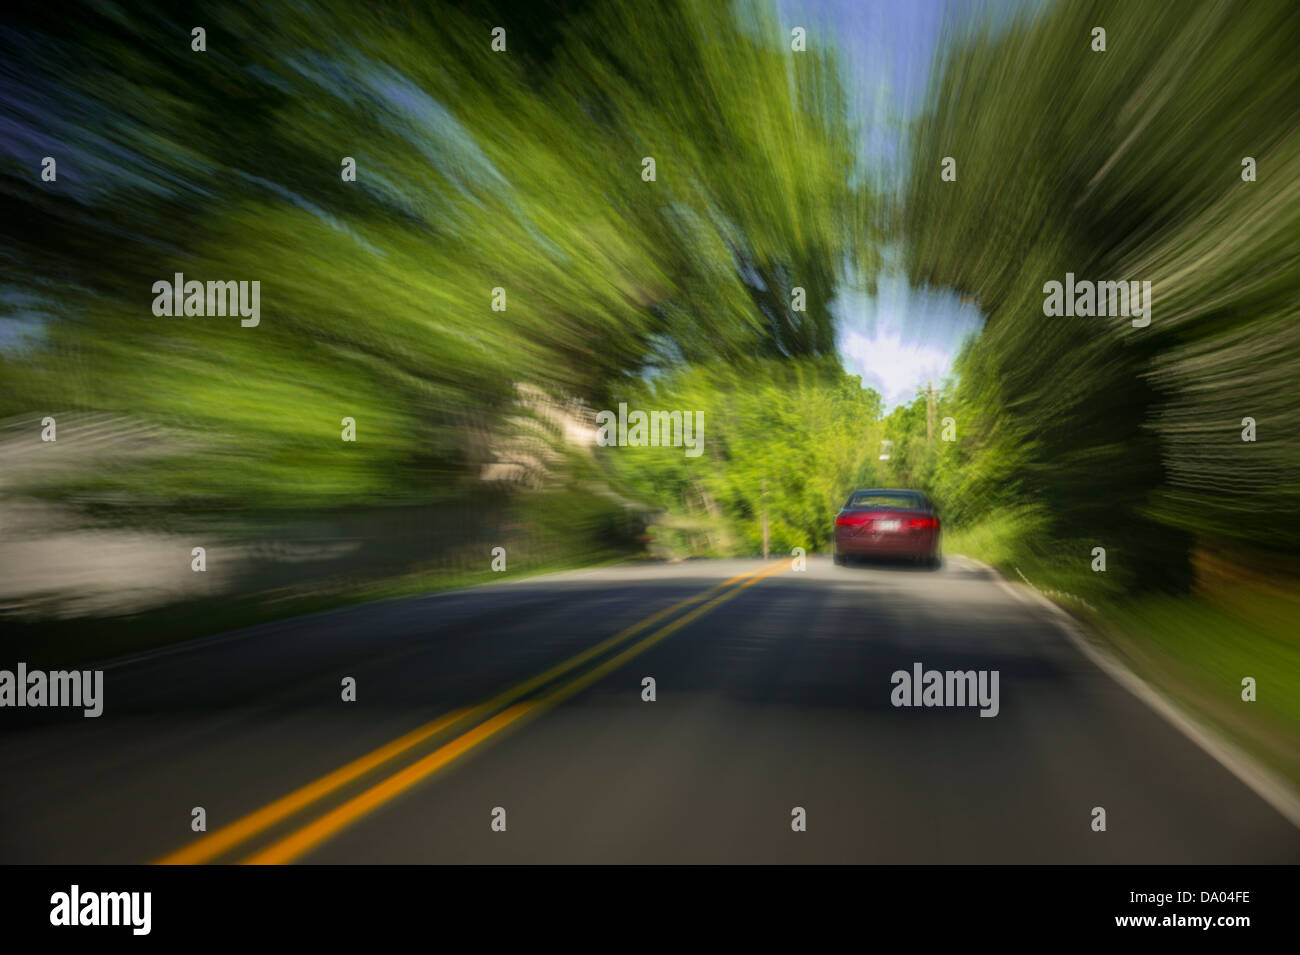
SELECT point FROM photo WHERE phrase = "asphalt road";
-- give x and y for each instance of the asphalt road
(772, 692)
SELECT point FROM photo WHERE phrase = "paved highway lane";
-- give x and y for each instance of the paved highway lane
(773, 692)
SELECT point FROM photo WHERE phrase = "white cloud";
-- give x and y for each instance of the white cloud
(902, 338)
(892, 366)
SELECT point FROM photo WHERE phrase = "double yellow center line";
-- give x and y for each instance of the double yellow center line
(484, 721)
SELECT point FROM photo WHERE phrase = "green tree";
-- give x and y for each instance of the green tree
(1114, 166)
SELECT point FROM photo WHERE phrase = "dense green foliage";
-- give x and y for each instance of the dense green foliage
(1121, 165)
(784, 442)
(475, 170)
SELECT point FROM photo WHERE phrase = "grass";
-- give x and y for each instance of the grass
(1199, 649)
(987, 542)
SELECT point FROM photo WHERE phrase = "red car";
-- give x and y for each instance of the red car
(887, 523)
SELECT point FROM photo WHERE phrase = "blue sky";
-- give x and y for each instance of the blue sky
(902, 337)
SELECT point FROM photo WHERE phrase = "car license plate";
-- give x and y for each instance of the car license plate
(886, 525)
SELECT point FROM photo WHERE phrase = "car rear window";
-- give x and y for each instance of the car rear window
(900, 500)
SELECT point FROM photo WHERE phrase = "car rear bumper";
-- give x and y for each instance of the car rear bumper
(889, 544)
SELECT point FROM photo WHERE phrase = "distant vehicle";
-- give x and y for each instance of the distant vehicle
(888, 522)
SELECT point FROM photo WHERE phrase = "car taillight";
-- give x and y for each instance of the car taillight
(850, 520)
(924, 523)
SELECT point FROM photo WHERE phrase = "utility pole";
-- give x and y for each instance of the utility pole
(931, 396)
(765, 535)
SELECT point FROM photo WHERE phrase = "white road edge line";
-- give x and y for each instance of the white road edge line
(1265, 783)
